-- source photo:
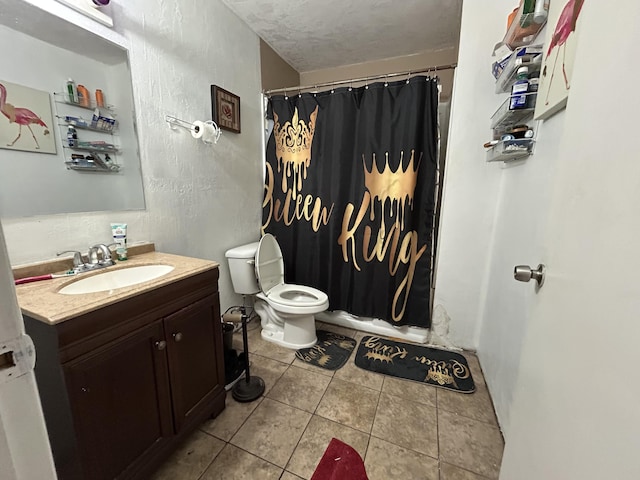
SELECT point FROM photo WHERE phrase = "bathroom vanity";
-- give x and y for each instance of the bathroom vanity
(124, 375)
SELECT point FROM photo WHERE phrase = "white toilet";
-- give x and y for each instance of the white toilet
(286, 311)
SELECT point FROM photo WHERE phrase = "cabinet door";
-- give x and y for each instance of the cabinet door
(120, 400)
(194, 346)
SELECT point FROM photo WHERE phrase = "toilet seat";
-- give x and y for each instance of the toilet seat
(286, 298)
(292, 298)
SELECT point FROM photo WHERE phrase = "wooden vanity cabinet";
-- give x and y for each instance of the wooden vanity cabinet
(123, 385)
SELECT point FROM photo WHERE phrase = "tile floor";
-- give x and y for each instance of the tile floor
(402, 430)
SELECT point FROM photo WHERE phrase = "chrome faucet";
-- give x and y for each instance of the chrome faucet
(78, 264)
(94, 262)
(106, 261)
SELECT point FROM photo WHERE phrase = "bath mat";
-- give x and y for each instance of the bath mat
(331, 352)
(340, 462)
(413, 362)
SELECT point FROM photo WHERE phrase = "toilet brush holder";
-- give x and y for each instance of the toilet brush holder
(252, 387)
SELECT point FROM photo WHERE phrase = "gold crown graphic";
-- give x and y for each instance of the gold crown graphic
(293, 148)
(394, 186)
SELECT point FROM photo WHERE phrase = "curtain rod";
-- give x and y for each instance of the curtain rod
(363, 79)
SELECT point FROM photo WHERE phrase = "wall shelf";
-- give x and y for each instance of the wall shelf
(504, 117)
(524, 28)
(88, 166)
(509, 150)
(99, 157)
(61, 97)
(93, 148)
(519, 58)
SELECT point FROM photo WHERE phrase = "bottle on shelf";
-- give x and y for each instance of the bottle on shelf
(83, 96)
(534, 83)
(541, 11)
(99, 98)
(519, 90)
(72, 136)
(71, 91)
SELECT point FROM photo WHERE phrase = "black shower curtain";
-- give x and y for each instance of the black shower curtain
(349, 195)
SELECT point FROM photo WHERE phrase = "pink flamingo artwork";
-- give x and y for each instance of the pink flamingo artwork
(21, 116)
(566, 24)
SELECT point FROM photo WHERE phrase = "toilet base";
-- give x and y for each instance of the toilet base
(295, 334)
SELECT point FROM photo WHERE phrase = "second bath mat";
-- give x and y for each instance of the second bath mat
(331, 352)
(440, 368)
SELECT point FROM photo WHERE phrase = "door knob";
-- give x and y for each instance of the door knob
(524, 273)
(177, 336)
(161, 345)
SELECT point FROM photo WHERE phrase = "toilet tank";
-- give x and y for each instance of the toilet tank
(242, 268)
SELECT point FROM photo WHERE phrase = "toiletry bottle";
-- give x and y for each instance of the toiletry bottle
(99, 98)
(72, 136)
(71, 91)
(534, 83)
(519, 90)
(541, 11)
(83, 96)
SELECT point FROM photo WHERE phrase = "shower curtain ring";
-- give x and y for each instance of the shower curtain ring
(386, 80)
(286, 97)
(408, 76)
(350, 84)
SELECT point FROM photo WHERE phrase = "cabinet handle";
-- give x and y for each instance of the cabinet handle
(161, 345)
(177, 336)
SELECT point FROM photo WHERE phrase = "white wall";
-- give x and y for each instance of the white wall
(200, 200)
(470, 185)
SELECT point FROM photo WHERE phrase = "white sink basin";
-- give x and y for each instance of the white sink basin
(110, 280)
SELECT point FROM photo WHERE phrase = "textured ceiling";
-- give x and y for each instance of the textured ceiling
(317, 34)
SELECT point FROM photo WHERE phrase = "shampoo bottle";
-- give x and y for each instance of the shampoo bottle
(83, 96)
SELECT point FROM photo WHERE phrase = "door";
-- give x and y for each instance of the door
(24, 445)
(575, 413)
(194, 336)
(127, 382)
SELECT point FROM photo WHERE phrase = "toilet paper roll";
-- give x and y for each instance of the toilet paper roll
(232, 317)
(197, 129)
(205, 131)
(210, 133)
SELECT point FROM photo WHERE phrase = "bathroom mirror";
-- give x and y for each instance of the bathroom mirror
(98, 170)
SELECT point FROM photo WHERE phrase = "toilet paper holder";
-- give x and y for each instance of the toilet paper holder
(195, 128)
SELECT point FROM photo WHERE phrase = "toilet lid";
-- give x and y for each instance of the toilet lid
(269, 263)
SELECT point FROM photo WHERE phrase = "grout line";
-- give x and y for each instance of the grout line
(257, 456)
(211, 462)
(481, 477)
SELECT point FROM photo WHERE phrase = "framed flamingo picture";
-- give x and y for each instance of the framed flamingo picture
(26, 120)
(557, 67)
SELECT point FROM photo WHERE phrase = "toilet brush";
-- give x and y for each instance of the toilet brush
(252, 387)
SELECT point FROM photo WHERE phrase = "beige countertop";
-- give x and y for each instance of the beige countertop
(41, 300)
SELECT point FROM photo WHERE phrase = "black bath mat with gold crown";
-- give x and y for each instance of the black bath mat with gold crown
(331, 352)
(413, 362)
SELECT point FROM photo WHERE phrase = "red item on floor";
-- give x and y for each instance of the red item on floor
(340, 462)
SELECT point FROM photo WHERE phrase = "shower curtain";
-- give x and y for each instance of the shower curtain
(349, 195)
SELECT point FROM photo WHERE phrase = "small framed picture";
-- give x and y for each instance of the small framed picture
(225, 109)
